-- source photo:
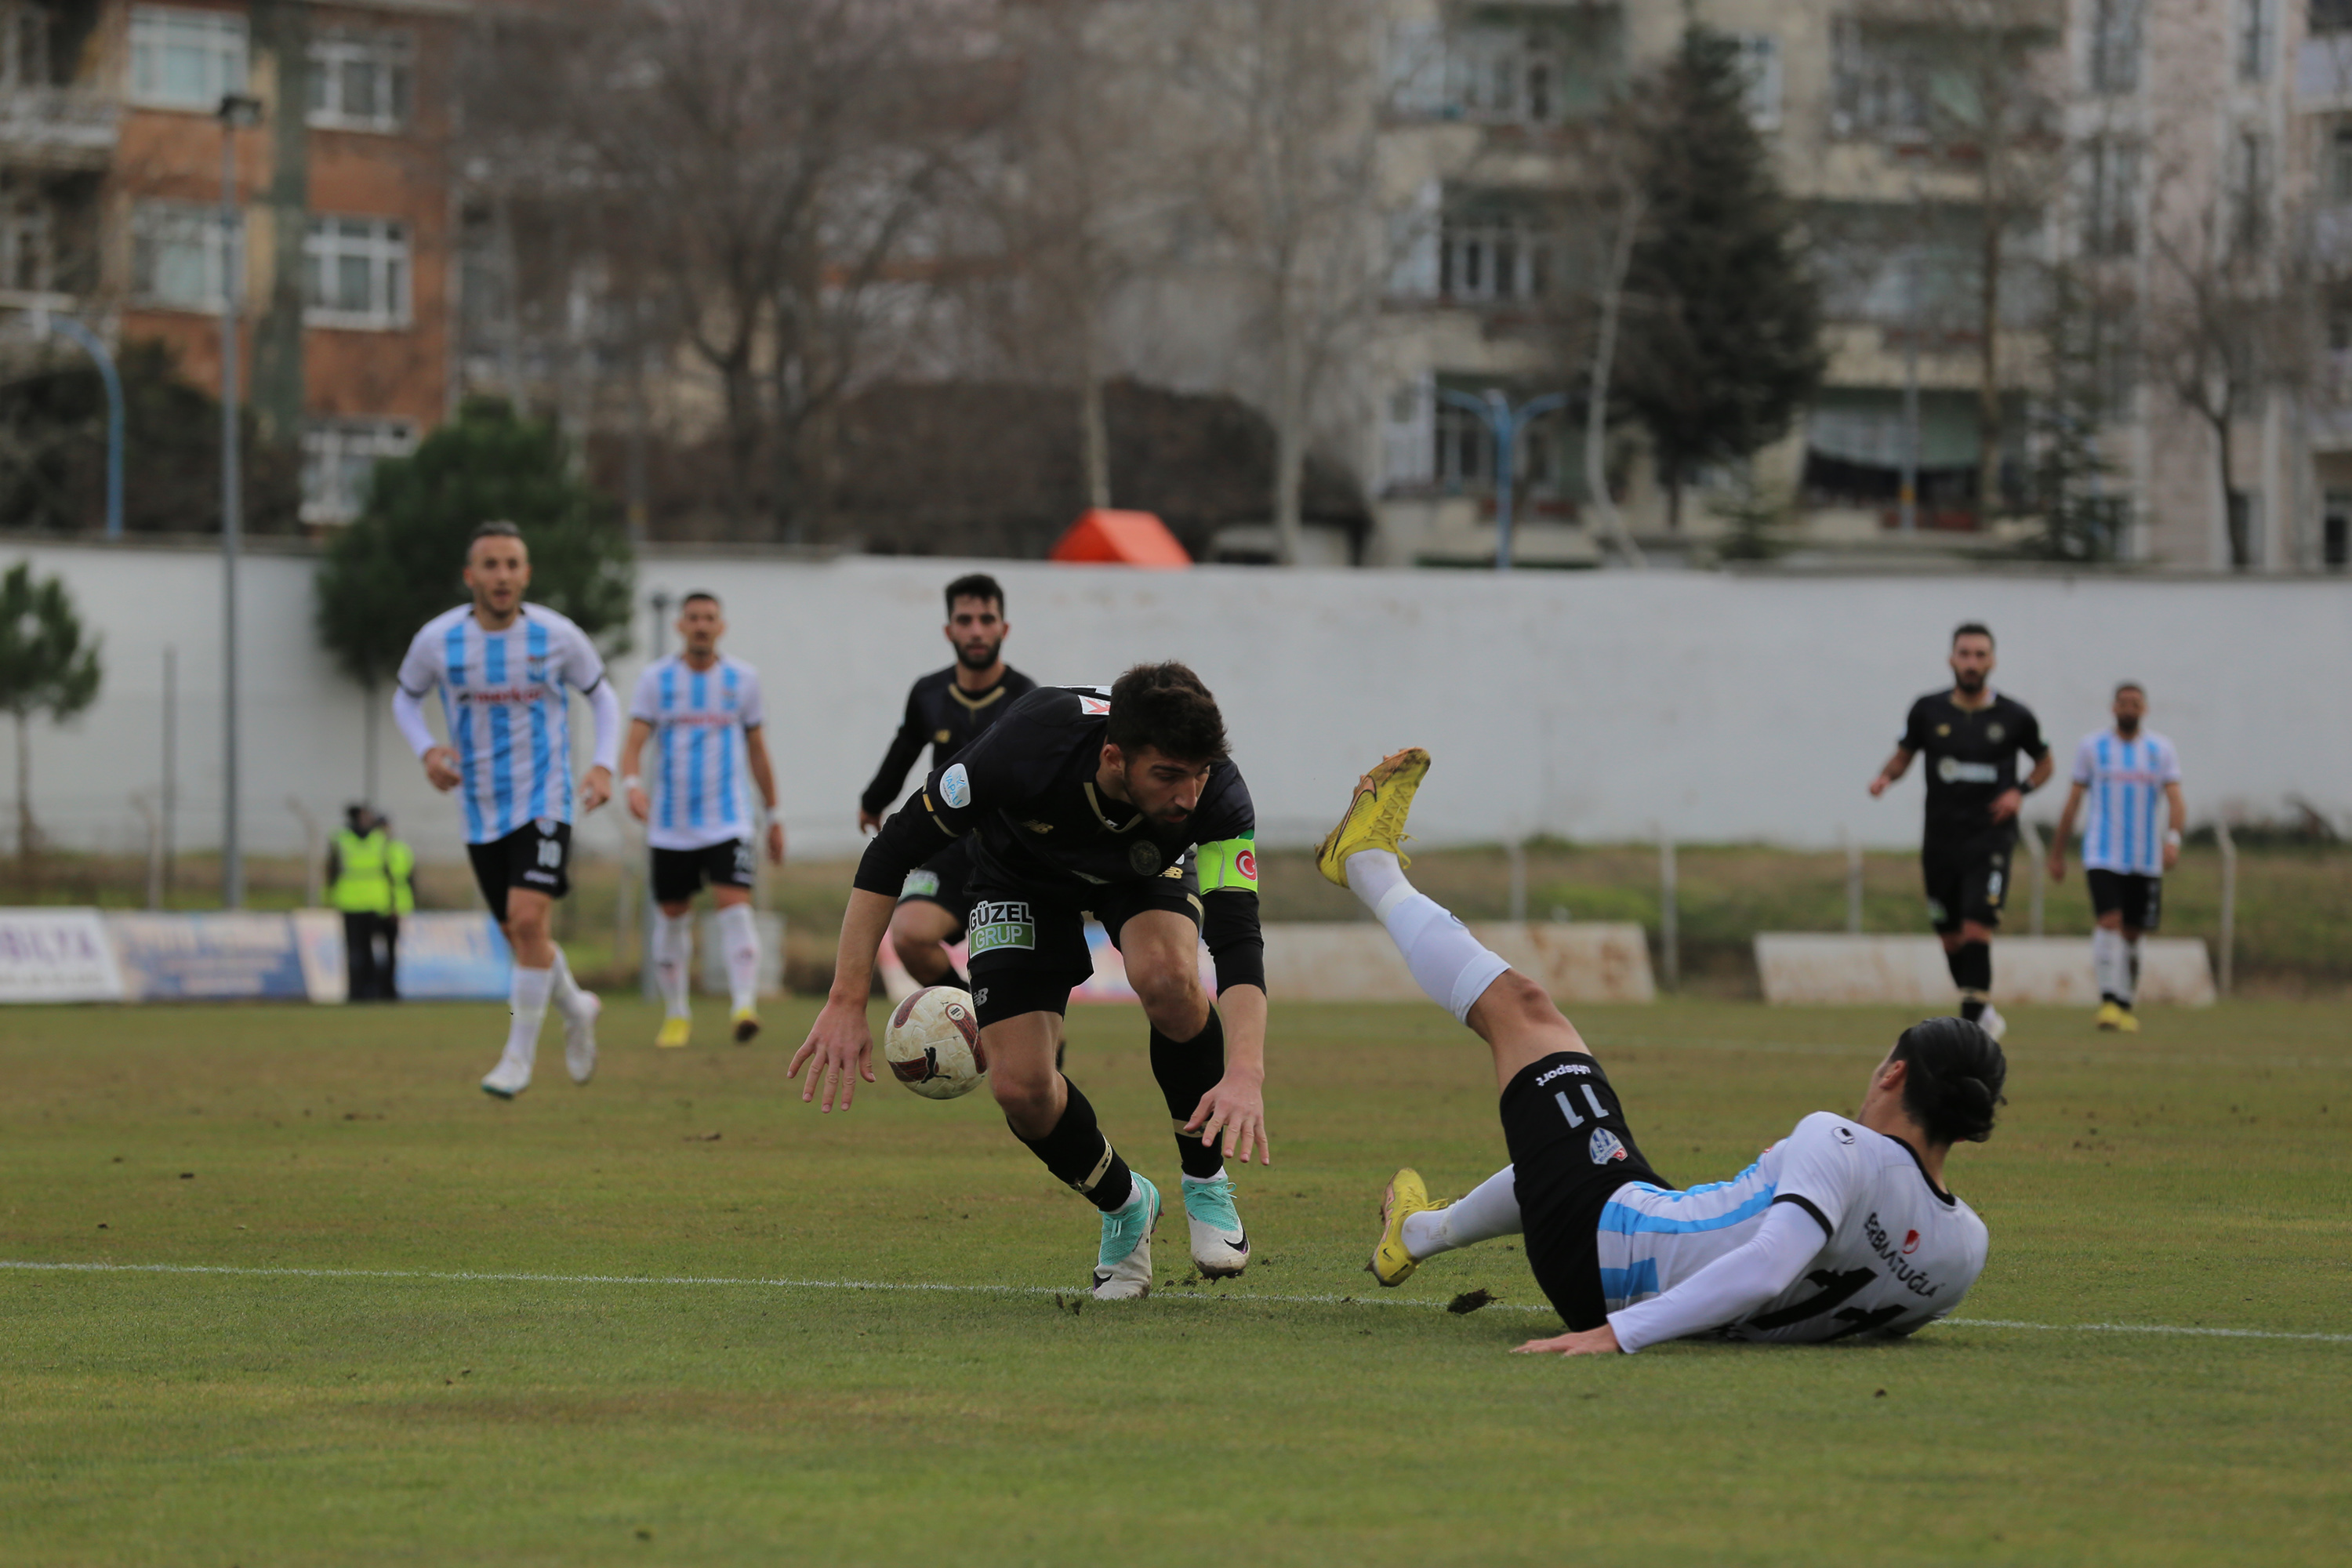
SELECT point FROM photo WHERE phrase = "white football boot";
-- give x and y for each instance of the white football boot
(1992, 1023)
(580, 1036)
(1123, 1271)
(508, 1078)
(1221, 1247)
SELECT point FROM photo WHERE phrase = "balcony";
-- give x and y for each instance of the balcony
(65, 128)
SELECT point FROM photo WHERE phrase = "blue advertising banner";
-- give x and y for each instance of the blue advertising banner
(452, 957)
(209, 957)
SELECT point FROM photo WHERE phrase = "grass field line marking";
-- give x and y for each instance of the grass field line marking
(485, 1277)
(2055, 1053)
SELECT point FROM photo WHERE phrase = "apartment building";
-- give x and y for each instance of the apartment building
(112, 137)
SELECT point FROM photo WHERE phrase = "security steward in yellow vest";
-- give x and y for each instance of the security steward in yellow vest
(400, 864)
(360, 884)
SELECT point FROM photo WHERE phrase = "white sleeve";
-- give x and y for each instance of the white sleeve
(645, 703)
(751, 713)
(2172, 764)
(607, 709)
(419, 671)
(1822, 1168)
(2086, 759)
(408, 712)
(582, 667)
(1731, 1287)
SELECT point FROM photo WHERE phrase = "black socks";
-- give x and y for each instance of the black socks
(1186, 1070)
(1077, 1151)
(1972, 967)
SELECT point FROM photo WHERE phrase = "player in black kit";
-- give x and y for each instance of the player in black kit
(1972, 736)
(946, 710)
(1121, 804)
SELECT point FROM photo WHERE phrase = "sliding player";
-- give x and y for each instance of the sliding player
(507, 670)
(1972, 736)
(703, 711)
(2125, 772)
(1843, 1229)
(946, 710)
(1122, 804)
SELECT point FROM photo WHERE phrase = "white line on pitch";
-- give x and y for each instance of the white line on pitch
(462, 1276)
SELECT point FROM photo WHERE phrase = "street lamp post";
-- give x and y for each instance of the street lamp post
(237, 110)
(1504, 424)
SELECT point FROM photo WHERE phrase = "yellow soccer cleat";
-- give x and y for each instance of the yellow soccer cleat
(1392, 1264)
(674, 1033)
(1375, 818)
(2110, 1018)
(2129, 1023)
(747, 1024)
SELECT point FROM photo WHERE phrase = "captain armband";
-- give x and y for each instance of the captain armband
(1228, 866)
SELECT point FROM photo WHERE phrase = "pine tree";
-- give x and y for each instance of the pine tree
(44, 668)
(1724, 321)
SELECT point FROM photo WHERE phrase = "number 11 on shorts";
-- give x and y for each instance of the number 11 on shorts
(1599, 1111)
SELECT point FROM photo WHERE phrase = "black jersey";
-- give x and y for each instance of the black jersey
(946, 718)
(1025, 793)
(1970, 754)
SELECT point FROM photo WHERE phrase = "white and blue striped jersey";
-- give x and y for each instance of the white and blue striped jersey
(2123, 782)
(1896, 1254)
(700, 783)
(508, 698)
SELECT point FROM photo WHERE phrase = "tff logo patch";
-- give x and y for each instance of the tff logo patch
(1604, 1146)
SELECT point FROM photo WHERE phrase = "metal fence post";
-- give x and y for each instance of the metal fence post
(2228, 959)
(1853, 886)
(2033, 840)
(1670, 957)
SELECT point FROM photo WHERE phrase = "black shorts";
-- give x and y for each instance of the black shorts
(1029, 950)
(1571, 1149)
(679, 874)
(1967, 878)
(537, 855)
(2139, 900)
(944, 880)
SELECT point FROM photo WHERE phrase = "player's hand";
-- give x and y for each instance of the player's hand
(1236, 1109)
(867, 822)
(595, 789)
(641, 806)
(2171, 854)
(775, 844)
(1602, 1341)
(1879, 786)
(2057, 864)
(839, 1050)
(441, 769)
(2007, 803)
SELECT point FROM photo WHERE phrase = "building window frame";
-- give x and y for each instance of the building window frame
(339, 456)
(1759, 62)
(2116, 35)
(1495, 258)
(2111, 200)
(173, 241)
(217, 44)
(2257, 39)
(386, 60)
(358, 272)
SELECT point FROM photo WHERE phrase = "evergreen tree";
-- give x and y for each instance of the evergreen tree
(44, 668)
(1724, 321)
(397, 565)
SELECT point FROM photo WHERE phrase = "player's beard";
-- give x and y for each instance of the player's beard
(2127, 728)
(977, 655)
(1970, 680)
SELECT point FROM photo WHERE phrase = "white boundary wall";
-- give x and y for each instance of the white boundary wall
(1595, 706)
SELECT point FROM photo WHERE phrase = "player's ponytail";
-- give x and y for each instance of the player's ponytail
(1955, 1078)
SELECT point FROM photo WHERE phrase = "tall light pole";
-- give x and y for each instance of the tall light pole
(237, 110)
(1504, 424)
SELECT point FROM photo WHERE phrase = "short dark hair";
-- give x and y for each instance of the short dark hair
(698, 593)
(1166, 708)
(1955, 1078)
(2124, 685)
(498, 528)
(1971, 629)
(975, 585)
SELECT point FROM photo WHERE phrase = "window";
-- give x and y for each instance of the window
(1493, 256)
(360, 81)
(186, 60)
(2339, 165)
(358, 271)
(1759, 59)
(2114, 46)
(1880, 87)
(2257, 38)
(2335, 532)
(338, 458)
(25, 253)
(2250, 191)
(2111, 206)
(23, 45)
(179, 255)
(2331, 17)
(1503, 78)
(1465, 454)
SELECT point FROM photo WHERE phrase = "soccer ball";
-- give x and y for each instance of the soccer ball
(933, 1043)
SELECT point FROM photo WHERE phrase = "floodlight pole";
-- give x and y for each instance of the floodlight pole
(1504, 424)
(236, 110)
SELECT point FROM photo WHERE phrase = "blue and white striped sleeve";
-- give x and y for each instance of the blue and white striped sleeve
(645, 703)
(748, 708)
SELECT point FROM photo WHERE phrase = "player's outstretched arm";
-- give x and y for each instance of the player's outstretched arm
(763, 773)
(640, 805)
(839, 1050)
(1235, 1109)
(1724, 1292)
(596, 788)
(1896, 766)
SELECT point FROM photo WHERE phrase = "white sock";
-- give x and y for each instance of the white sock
(1491, 1209)
(673, 950)
(527, 998)
(1450, 966)
(566, 992)
(1203, 1180)
(2108, 963)
(2131, 968)
(738, 938)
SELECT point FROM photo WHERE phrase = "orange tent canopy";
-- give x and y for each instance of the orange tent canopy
(1121, 539)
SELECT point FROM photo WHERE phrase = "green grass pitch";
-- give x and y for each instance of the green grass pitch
(557, 1331)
